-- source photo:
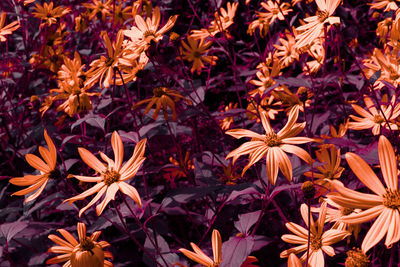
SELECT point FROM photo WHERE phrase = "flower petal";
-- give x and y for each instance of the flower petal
(131, 191)
(388, 162)
(118, 149)
(37, 163)
(91, 160)
(377, 231)
(110, 195)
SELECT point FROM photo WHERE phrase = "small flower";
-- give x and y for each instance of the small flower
(384, 204)
(47, 171)
(99, 9)
(8, 29)
(374, 119)
(388, 5)
(194, 51)
(286, 52)
(48, 14)
(146, 31)
(320, 241)
(112, 177)
(199, 256)
(273, 146)
(315, 24)
(163, 98)
(85, 253)
(265, 78)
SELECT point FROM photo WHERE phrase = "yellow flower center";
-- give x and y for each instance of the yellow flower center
(87, 244)
(110, 177)
(159, 91)
(392, 199)
(379, 119)
(322, 15)
(315, 243)
(272, 140)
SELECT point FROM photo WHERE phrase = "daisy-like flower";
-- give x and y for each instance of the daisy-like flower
(383, 205)
(112, 177)
(49, 14)
(219, 24)
(47, 171)
(320, 241)
(102, 69)
(226, 122)
(146, 31)
(265, 78)
(99, 9)
(199, 256)
(194, 51)
(273, 146)
(83, 253)
(275, 10)
(374, 119)
(286, 52)
(330, 157)
(267, 104)
(8, 29)
(315, 24)
(162, 98)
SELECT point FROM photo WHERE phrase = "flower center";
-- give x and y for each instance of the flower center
(149, 35)
(197, 54)
(322, 15)
(356, 258)
(379, 119)
(159, 91)
(392, 199)
(272, 140)
(110, 176)
(315, 243)
(86, 244)
(54, 174)
(109, 61)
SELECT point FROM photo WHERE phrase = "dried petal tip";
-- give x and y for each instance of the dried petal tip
(356, 258)
(308, 189)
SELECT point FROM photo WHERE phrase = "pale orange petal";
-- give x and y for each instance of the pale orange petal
(131, 192)
(94, 200)
(38, 192)
(68, 237)
(216, 246)
(298, 151)
(52, 149)
(377, 231)
(110, 195)
(388, 163)
(91, 160)
(197, 258)
(365, 174)
(37, 163)
(118, 149)
(272, 166)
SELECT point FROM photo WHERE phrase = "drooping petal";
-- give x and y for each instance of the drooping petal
(298, 151)
(136, 156)
(272, 166)
(110, 195)
(94, 200)
(131, 191)
(377, 231)
(293, 115)
(206, 261)
(265, 122)
(85, 194)
(88, 179)
(239, 133)
(388, 163)
(38, 192)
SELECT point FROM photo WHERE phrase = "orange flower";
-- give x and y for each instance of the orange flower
(146, 31)
(384, 204)
(48, 14)
(320, 241)
(275, 10)
(226, 122)
(87, 252)
(374, 119)
(47, 171)
(314, 27)
(99, 9)
(265, 78)
(219, 24)
(273, 146)
(112, 177)
(331, 168)
(199, 256)
(8, 29)
(286, 52)
(194, 52)
(103, 68)
(267, 105)
(162, 99)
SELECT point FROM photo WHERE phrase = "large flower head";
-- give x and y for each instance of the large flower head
(320, 240)
(383, 205)
(85, 253)
(112, 177)
(47, 171)
(273, 146)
